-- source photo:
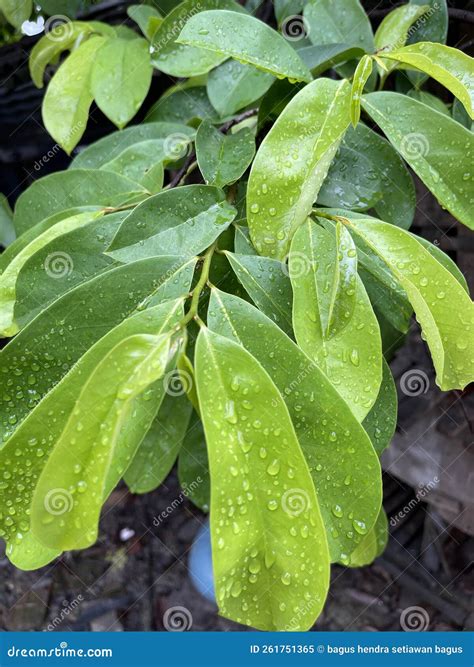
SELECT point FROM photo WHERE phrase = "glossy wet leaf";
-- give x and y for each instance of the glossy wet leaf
(16, 11)
(121, 78)
(183, 106)
(285, 8)
(242, 243)
(193, 465)
(10, 275)
(437, 148)
(233, 85)
(451, 67)
(189, 218)
(68, 98)
(292, 163)
(138, 160)
(393, 31)
(68, 189)
(160, 447)
(351, 357)
(430, 100)
(51, 415)
(246, 39)
(381, 421)
(267, 564)
(266, 282)
(98, 154)
(352, 182)
(442, 306)
(182, 60)
(142, 15)
(373, 544)
(42, 353)
(49, 47)
(336, 21)
(460, 115)
(62, 264)
(7, 229)
(362, 73)
(397, 204)
(223, 158)
(342, 461)
(434, 26)
(102, 412)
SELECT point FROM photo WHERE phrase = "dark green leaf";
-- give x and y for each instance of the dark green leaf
(336, 21)
(182, 106)
(381, 421)
(193, 465)
(233, 85)
(222, 158)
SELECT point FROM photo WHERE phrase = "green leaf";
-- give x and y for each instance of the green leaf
(460, 115)
(242, 243)
(142, 14)
(285, 8)
(246, 39)
(56, 339)
(223, 158)
(264, 562)
(68, 98)
(429, 99)
(49, 47)
(16, 11)
(182, 106)
(398, 201)
(445, 260)
(292, 163)
(451, 67)
(7, 229)
(233, 86)
(189, 218)
(9, 277)
(136, 162)
(436, 147)
(63, 263)
(336, 21)
(68, 189)
(110, 147)
(266, 282)
(434, 27)
(442, 306)
(100, 413)
(121, 78)
(373, 544)
(342, 461)
(351, 182)
(160, 447)
(393, 31)
(381, 421)
(193, 465)
(178, 59)
(52, 413)
(362, 73)
(351, 357)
